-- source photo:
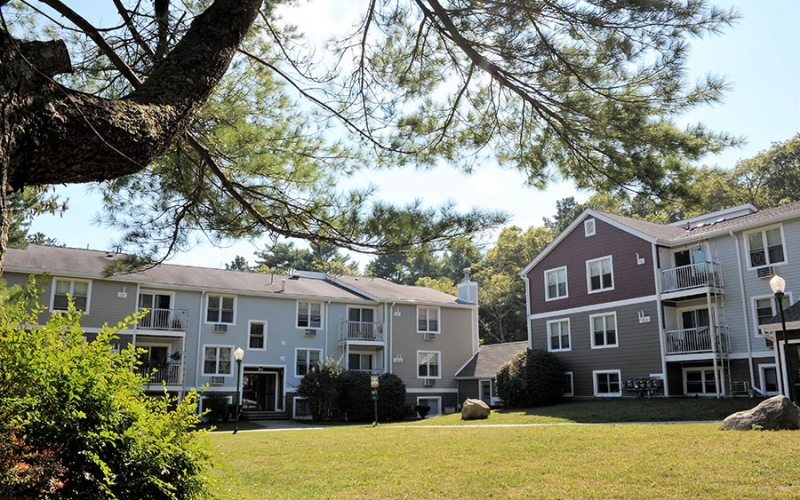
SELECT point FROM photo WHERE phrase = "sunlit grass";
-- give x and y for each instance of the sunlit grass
(534, 461)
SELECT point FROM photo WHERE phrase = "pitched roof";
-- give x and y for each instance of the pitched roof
(74, 262)
(489, 359)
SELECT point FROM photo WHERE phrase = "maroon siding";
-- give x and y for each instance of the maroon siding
(631, 280)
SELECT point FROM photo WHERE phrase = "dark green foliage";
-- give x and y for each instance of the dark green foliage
(216, 407)
(531, 378)
(74, 414)
(355, 397)
(321, 386)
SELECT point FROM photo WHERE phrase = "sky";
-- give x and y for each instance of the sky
(759, 56)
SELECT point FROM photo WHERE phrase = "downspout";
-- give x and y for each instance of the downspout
(390, 333)
(199, 332)
(183, 363)
(528, 310)
(744, 311)
(327, 327)
(660, 313)
(713, 334)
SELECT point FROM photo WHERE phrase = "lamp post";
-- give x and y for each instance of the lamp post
(238, 355)
(778, 286)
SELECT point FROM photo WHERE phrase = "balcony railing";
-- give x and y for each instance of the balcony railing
(696, 340)
(169, 373)
(691, 276)
(361, 330)
(172, 320)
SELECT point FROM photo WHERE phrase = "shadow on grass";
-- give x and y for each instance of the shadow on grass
(640, 410)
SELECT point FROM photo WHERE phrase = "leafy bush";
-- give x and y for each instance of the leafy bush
(356, 401)
(321, 386)
(531, 378)
(75, 421)
(216, 407)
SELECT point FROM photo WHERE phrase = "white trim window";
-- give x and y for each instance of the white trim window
(555, 283)
(765, 247)
(427, 319)
(569, 385)
(590, 227)
(600, 274)
(306, 360)
(309, 314)
(77, 290)
(768, 376)
(428, 364)
(558, 335)
(256, 335)
(607, 383)
(359, 361)
(217, 360)
(699, 380)
(221, 309)
(603, 330)
(765, 308)
(435, 404)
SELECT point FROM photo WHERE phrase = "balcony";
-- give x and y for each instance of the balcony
(361, 331)
(165, 320)
(696, 340)
(160, 373)
(701, 274)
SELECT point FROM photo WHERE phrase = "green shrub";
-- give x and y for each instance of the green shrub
(321, 386)
(531, 378)
(216, 407)
(356, 401)
(75, 420)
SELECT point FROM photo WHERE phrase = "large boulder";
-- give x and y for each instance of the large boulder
(773, 414)
(474, 409)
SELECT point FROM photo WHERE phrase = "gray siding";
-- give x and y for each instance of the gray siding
(638, 353)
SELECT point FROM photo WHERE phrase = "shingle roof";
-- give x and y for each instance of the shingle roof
(489, 359)
(675, 234)
(387, 291)
(92, 263)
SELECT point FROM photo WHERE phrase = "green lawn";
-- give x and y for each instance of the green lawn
(536, 461)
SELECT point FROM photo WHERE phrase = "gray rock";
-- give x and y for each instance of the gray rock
(773, 414)
(474, 409)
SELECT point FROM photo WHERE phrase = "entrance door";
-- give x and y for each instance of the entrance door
(158, 305)
(486, 391)
(259, 391)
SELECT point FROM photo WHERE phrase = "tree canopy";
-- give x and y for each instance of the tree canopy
(217, 117)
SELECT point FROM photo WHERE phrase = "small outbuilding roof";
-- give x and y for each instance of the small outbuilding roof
(489, 359)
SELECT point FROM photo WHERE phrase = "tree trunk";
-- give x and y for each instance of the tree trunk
(54, 135)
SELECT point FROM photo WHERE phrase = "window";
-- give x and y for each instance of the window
(569, 388)
(428, 364)
(606, 383)
(217, 360)
(307, 359)
(766, 308)
(358, 361)
(220, 309)
(766, 247)
(556, 283)
(700, 381)
(428, 319)
(257, 335)
(558, 332)
(599, 272)
(769, 378)
(604, 330)
(77, 290)
(435, 405)
(589, 227)
(159, 312)
(309, 314)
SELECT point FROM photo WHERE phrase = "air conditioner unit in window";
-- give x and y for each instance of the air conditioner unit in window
(309, 332)
(217, 380)
(765, 272)
(429, 336)
(429, 382)
(219, 328)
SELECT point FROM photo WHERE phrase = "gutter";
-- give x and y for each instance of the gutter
(744, 312)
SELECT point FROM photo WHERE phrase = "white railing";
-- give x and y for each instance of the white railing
(361, 330)
(173, 320)
(691, 276)
(169, 373)
(696, 340)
